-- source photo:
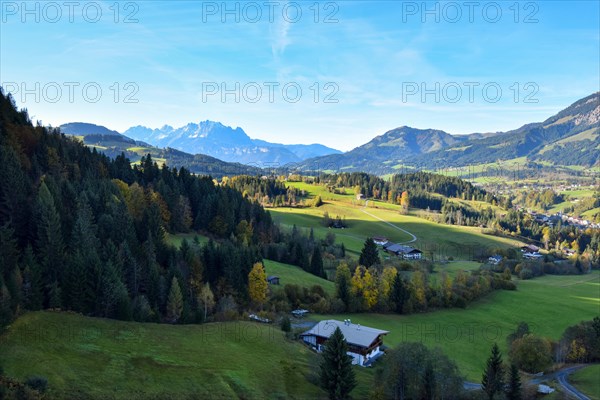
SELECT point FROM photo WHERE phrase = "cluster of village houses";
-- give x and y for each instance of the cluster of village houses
(530, 252)
(553, 219)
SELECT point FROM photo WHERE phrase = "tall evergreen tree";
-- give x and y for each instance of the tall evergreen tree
(399, 294)
(50, 242)
(513, 391)
(316, 262)
(32, 283)
(174, 302)
(342, 283)
(429, 383)
(369, 254)
(493, 376)
(337, 375)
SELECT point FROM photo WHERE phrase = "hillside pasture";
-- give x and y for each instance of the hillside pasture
(290, 274)
(95, 358)
(548, 304)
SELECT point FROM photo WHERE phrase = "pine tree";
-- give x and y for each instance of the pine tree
(337, 375)
(49, 244)
(6, 313)
(32, 285)
(429, 383)
(369, 254)
(399, 294)
(342, 283)
(286, 324)
(513, 391)
(174, 302)
(493, 376)
(316, 262)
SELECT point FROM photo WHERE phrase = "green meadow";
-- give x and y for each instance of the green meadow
(548, 304)
(290, 274)
(376, 218)
(85, 357)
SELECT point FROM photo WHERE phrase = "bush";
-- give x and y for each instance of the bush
(525, 274)
(286, 325)
(36, 382)
(531, 353)
(460, 302)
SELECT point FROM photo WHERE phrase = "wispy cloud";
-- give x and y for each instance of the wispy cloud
(279, 36)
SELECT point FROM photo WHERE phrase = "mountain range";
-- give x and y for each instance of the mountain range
(112, 143)
(226, 143)
(569, 138)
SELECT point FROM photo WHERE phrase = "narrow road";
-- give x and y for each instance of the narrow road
(413, 237)
(560, 375)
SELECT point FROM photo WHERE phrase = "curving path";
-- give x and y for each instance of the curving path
(413, 237)
(561, 376)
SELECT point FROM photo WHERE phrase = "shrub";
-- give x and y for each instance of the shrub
(531, 353)
(36, 382)
(525, 274)
(286, 325)
(460, 302)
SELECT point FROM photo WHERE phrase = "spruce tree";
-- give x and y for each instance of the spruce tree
(32, 285)
(49, 241)
(286, 324)
(337, 375)
(174, 302)
(493, 376)
(369, 254)
(513, 391)
(342, 283)
(399, 294)
(429, 382)
(316, 262)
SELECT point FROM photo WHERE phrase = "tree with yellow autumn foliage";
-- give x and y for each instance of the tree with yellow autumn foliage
(257, 284)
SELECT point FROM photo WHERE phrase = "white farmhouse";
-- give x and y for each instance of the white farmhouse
(364, 343)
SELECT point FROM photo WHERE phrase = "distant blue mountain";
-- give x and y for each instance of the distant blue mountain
(226, 143)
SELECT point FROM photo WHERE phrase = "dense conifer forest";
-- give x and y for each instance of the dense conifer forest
(82, 232)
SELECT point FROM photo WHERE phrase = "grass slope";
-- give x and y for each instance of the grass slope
(295, 275)
(86, 357)
(587, 381)
(548, 304)
(435, 240)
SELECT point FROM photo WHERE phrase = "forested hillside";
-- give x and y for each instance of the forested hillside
(83, 232)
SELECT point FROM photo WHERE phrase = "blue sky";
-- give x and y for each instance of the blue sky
(384, 63)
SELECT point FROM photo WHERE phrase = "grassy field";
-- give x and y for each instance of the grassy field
(587, 380)
(295, 275)
(98, 358)
(452, 268)
(437, 241)
(434, 239)
(548, 304)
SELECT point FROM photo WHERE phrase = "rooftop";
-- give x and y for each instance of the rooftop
(353, 333)
(400, 248)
